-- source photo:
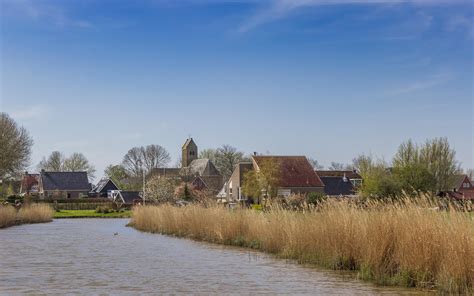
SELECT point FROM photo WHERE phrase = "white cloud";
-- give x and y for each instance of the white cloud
(280, 9)
(30, 113)
(42, 11)
(424, 84)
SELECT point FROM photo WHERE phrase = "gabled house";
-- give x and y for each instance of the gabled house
(63, 184)
(463, 187)
(296, 175)
(29, 184)
(102, 187)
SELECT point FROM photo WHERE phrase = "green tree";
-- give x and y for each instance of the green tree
(378, 181)
(267, 178)
(429, 167)
(116, 173)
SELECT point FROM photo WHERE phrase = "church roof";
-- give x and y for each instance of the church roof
(188, 142)
(202, 167)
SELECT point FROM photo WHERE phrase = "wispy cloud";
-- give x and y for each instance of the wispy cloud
(43, 11)
(30, 113)
(279, 9)
(428, 83)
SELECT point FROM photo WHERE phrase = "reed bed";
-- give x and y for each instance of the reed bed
(405, 243)
(35, 213)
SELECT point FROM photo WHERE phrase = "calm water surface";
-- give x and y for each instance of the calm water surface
(83, 256)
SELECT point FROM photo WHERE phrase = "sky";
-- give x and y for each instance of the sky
(327, 79)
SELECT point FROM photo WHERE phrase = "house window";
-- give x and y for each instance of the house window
(466, 185)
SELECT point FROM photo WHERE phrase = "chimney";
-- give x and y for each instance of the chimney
(255, 154)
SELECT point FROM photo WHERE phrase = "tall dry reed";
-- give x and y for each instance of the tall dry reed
(402, 243)
(35, 213)
(7, 216)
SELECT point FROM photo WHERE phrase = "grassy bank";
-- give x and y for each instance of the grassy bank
(90, 214)
(36, 213)
(398, 244)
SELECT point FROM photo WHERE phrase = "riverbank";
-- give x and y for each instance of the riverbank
(35, 213)
(406, 244)
(90, 214)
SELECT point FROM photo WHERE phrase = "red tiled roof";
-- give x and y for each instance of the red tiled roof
(295, 171)
(349, 174)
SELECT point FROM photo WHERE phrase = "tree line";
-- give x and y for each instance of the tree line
(425, 167)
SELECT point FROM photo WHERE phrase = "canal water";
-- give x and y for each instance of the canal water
(86, 257)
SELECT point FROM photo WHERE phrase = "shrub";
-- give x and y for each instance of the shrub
(315, 198)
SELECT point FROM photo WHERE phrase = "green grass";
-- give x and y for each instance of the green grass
(90, 214)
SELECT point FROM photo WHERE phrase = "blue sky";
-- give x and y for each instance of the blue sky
(326, 79)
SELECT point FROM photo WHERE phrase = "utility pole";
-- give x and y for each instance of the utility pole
(143, 170)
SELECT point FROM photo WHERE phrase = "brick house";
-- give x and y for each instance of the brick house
(296, 176)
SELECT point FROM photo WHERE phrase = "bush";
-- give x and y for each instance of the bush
(315, 198)
(104, 210)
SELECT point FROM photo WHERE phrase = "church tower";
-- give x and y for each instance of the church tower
(190, 152)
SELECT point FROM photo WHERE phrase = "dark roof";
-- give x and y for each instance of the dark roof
(337, 186)
(102, 183)
(130, 196)
(295, 171)
(65, 181)
(349, 174)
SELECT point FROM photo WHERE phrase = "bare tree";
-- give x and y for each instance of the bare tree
(227, 157)
(315, 164)
(57, 162)
(77, 162)
(115, 172)
(54, 162)
(15, 147)
(148, 158)
(209, 153)
(337, 166)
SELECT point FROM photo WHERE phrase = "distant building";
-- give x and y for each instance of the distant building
(463, 188)
(296, 175)
(63, 184)
(29, 184)
(102, 188)
(340, 183)
(200, 172)
(352, 175)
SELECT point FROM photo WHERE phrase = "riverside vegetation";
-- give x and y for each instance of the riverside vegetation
(405, 242)
(35, 213)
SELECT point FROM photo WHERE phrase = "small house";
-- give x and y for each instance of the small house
(102, 188)
(63, 184)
